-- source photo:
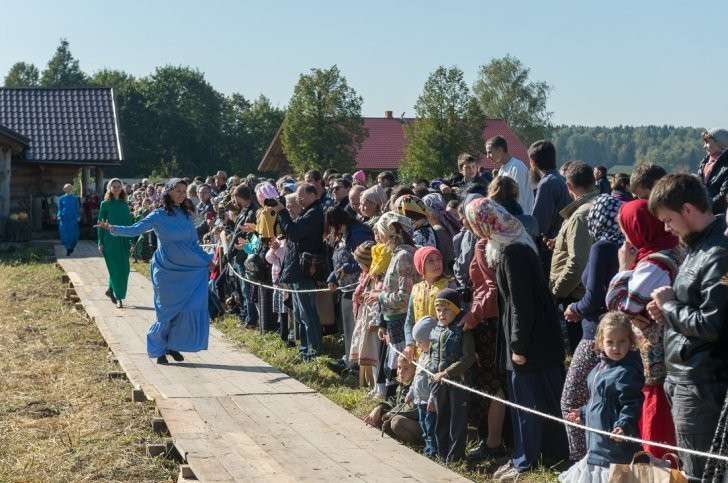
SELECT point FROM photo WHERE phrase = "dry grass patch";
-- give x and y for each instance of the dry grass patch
(61, 418)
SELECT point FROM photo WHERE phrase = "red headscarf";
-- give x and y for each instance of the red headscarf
(644, 230)
(421, 257)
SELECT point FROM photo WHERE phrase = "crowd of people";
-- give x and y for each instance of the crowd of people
(491, 279)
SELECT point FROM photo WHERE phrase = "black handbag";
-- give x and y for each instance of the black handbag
(314, 266)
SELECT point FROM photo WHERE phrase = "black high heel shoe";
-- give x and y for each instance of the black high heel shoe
(109, 293)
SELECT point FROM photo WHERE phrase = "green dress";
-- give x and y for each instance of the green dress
(116, 249)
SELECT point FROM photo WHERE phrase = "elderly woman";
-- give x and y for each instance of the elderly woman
(396, 233)
(372, 203)
(713, 169)
(529, 347)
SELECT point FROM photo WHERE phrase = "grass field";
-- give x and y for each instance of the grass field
(61, 418)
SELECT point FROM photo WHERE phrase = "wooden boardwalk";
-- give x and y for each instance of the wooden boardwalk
(233, 417)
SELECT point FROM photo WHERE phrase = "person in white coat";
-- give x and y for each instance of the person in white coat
(496, 150)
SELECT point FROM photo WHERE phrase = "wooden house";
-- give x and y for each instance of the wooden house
(48, 137)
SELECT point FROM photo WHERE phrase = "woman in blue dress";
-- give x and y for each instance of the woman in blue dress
(180, 271)
(69, 210)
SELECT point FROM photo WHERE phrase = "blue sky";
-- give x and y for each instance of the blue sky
(610, 63)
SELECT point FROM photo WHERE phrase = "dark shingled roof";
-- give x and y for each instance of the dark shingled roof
(70, 126)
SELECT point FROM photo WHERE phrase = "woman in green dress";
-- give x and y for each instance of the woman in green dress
(115, 210)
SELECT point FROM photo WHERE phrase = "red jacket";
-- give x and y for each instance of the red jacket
(485, 290)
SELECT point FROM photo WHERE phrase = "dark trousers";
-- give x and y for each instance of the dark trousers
(265, 309)
(534, 436)
(283, 326)
(427, 425)
(251, 311)
(452, 421)
(695, 412)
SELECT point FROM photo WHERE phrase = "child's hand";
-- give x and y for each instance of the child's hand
(574, 416)
(617, 432)
(440, 376)
(655, 312)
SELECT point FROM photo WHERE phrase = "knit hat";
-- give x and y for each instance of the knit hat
(451, 298)
(360, 177)
(423, 327)
(420, 258)
(363, 253)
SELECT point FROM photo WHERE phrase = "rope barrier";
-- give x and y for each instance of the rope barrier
(506, 402)
(567, 422)
(288, 290)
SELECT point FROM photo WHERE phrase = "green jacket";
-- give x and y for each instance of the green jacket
(571, 250)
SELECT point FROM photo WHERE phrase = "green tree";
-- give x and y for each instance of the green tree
(136, 122)
(63, 69)
(449, 122)
(504, 91)
(186, 112)
(323, 126)
(22, 74)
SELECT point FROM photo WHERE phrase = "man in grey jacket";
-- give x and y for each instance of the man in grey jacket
(694, 312)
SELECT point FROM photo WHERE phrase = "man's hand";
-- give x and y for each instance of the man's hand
(617, 432)
(332, 287)
(574, 416)
(662, 295)
(550, 243)
(518, 359)
(439, 376)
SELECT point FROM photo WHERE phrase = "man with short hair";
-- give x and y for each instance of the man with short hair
(602, 183)
(355, 200)
(496, 150)
(643, 178)
(386, 179)
(304, 237)
(572, 244)
(693, 312)
(340, 192)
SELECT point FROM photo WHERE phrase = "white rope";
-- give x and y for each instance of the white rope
(569, 423)
(281, 289)
(512, 404)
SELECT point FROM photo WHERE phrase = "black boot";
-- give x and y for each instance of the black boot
(162, 360)
(109, 293)
(176, 356)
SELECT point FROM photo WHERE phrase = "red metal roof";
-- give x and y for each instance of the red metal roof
(385, 145)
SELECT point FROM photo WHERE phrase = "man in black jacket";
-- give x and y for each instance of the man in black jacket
(694, 312)
(305, 240)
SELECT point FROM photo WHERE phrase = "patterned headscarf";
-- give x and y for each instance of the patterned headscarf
(388, 219)
(410, 203)
(436, 203)
(602, 219)
(490, 220)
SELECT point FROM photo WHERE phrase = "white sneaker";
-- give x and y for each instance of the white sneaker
(511, 474)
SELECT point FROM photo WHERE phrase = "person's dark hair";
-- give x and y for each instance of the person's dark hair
(388, 176)
(309, 188)
(244, 192)
(199, 180)
(543, 154)
(674, 190)
(169, 205)
(421, 181)
(465, 158)
(314, 174)
(421, 192)
(503, 189)
(498, 142)
(344, 181)
(580, 175)
(621, 182)
(601, 169)
(397, 191)
(645, 175)
(336, 217)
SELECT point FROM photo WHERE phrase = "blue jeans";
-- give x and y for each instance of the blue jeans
(304, 305)
(427, 424)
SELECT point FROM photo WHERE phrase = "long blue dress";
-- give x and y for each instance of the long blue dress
(179, 275)
(69, 209)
